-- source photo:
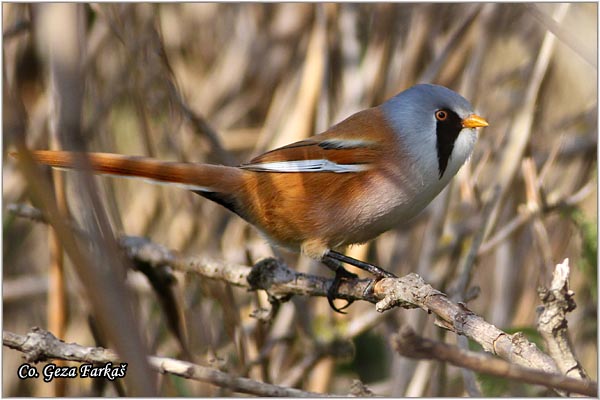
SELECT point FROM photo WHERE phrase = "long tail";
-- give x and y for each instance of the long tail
(203, 178)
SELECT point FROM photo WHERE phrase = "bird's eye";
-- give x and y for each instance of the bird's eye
(441, 115)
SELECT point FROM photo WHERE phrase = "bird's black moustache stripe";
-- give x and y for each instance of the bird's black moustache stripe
(447, 132)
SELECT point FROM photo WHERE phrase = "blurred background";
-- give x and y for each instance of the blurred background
(221, 83)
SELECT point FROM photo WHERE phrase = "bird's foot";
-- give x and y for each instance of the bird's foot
(372, 269)
(332, 293)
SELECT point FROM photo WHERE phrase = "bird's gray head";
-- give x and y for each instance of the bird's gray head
(430, 123)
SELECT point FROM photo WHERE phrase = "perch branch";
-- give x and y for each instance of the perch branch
(408, 291)
(40, 345)
(408, 344)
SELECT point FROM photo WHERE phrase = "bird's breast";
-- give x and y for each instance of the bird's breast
(388, 200)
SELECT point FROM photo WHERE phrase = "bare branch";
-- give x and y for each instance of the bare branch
(408, 344)
(526, 215)
(462, 282)
(201, 126)
(552, 321)
(408, 291)
(40, 345)
(521, 128)
(458, 318)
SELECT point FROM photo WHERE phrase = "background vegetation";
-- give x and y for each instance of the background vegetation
(265, 75)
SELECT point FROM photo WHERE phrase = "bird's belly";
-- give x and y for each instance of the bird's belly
(388, 207)
(362, 229)
(367, 210)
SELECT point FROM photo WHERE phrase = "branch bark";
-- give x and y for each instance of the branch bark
(40, 345)
(408, 291)
(408, 344)
(552, 321)
(458, 318)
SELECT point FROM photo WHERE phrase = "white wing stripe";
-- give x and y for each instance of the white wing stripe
(306, 166)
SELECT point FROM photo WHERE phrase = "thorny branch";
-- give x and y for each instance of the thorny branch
(40, 345)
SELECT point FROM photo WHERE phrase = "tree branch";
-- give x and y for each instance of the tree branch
(458, 318)
(40, 345)
(408, 291)
(408, 344)
(552, 321)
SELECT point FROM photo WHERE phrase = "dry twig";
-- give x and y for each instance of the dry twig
(552, 321)
(408, 291)
(254, 75)
(408, 344)
(40, 345)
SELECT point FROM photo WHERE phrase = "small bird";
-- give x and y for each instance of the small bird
(363, 176)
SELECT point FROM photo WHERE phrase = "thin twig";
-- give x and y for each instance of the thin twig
(409, 344)
(471, 384)
(459, 33)
(202, 127)
(270, 275)
(527, 215)
(462, 283)
(522, 126)
(464, 279)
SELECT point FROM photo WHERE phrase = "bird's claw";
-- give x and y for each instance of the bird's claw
(332, 292)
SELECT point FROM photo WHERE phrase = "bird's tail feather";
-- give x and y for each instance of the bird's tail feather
(192, 176)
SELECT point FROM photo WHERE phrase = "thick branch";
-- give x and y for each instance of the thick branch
(408, 291)
(40, 345)
(270, 275)
(408, 344)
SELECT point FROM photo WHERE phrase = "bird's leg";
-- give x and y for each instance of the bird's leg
(340, 274)
(373, 269)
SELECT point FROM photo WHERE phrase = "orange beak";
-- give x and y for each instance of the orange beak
(474, 121)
